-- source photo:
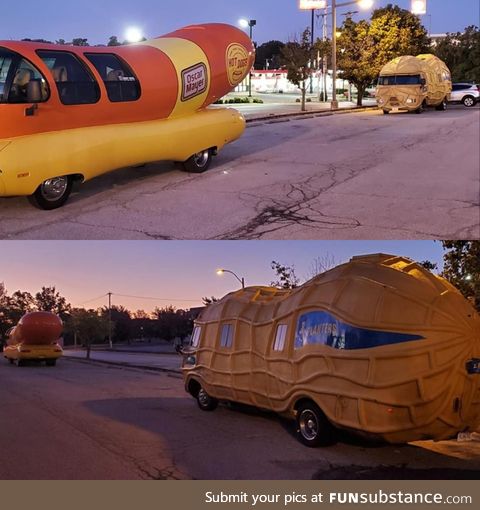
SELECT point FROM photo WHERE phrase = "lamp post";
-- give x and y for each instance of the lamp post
(364, 4)
(244, 23)
(220, 272)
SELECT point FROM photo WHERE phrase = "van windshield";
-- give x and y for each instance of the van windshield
(413, 79)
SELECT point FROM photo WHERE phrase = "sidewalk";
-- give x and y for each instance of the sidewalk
(163, 362)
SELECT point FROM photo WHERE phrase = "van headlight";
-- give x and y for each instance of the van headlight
(410, 100)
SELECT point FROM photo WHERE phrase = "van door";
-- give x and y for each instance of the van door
(22, 87)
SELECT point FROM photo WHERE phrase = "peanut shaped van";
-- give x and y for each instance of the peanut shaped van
(412, 83)
(378, 346)
(73, 113)
(36, 338)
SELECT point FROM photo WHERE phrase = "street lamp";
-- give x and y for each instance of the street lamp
(133, 35)
(419, 7)
(220, 272)
(244, 23)
(363, 4)
(312, 5)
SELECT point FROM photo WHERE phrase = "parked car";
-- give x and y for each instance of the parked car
(466, 93)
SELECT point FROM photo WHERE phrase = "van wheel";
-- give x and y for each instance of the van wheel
(21, 363)
(205, 401)
(199, 162)
(11, 361)
(385, 112)
(468, 101)
(52, 193)
(442, 106)
(51, 362)
(313, 428)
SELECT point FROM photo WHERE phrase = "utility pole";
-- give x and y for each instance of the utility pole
(110, 319)
(312, 42)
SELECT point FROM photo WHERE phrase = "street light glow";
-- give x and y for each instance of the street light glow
(133, 34)
(365, 4)
(244, 23)
(220, 272)
(419, 7)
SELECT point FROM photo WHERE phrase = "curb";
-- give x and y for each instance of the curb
(123, 365)
(310, 114)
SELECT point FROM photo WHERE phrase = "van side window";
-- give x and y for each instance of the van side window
(121, 84)
(227, 336)
(74, 82)
(17, 77)
(280, 337)
(197, 331)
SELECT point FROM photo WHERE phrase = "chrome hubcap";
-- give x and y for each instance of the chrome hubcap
(201, 158)
(469, 102)
(53, 189)
(308, 424)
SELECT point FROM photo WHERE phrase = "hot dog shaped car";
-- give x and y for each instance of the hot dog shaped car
(35, 337)
(73, 113)
(378, 346)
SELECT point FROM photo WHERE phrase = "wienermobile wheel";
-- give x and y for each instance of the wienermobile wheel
(52, 193)
(198, 163)
(313, 428)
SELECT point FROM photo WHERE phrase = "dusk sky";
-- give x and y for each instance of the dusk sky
(277, 19)
(179, 272)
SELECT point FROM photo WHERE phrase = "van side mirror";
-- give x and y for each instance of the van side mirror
(34, 91)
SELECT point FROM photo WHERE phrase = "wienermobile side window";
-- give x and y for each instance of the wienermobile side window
(17, 77)
(74, 82)
(280, 337)
(120, 81)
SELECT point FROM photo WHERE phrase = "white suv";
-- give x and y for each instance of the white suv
(465, 93)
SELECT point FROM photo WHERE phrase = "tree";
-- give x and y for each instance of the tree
(18, 304)
(78, 41)
(364, 48)
(286, 277)
(88, 326)
(122, 320)
(270, 52)
(61, 42)
(429, 265)
(298, 58)
(49, 300)
(321, 264)
(461, 53)
(462, 268)
(209, 300)
(113, 41)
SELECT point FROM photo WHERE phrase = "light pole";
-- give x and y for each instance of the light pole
(220, 272)
(364, 4)
(244, 23)
(110, 319)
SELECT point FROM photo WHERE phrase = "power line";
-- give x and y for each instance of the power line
(157, 298)
(91, 300)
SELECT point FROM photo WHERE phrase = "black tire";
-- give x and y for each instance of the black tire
(385, 112)
(51, 362)
(198, 163)
(11, 361)
(442, 106)
(205, 401)
(52, 193)
(313, 427)
(21, 363)
(468, 101)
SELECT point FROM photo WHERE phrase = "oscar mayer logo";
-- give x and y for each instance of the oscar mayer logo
(194, 81)
(237, 63)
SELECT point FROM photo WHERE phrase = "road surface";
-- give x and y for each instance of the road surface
(347, 176)
(87, 421)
